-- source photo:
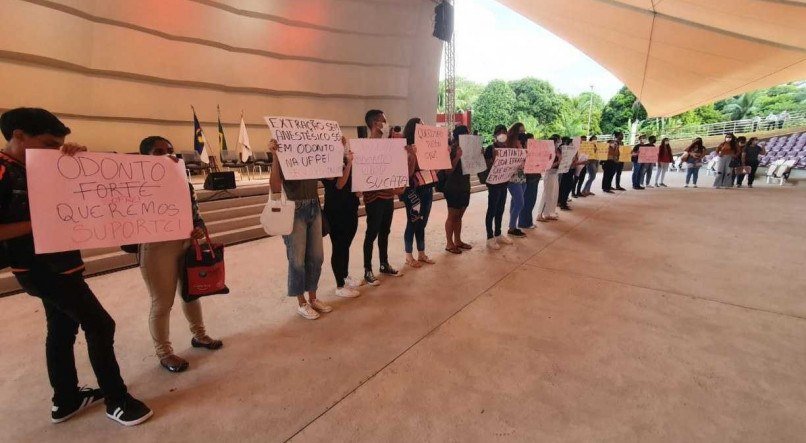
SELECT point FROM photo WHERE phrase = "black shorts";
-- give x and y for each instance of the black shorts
(457, 200)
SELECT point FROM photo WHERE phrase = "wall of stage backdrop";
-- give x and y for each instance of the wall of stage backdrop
(95, 200)
(540, 156)
(472, 154)
(379, 163)
(308, 148)
(506, 164)
(433, 151)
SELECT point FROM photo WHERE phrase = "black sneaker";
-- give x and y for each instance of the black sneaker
(619, 188)
(129, 412)
(86, 398)
(369, 277)
(516, 233)
(565, 208)
(388, 270)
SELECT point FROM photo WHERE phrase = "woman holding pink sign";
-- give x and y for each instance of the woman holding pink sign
(417, 197)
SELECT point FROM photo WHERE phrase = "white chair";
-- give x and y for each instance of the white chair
(677, 163)
(772, 168)
(781, 171)
(710, 167)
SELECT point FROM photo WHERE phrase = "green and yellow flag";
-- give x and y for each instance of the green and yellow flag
(222, 140)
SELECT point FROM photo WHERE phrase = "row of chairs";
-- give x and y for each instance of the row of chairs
(259, 161)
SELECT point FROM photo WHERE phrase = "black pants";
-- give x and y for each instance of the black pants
(566, 185)
(343, 226)
(617, 174)
(70, 303)
(579, 180)
(496, 202)
(750, 177)
(608, 169)
(379, 223)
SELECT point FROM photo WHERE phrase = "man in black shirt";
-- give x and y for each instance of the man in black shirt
(57, 279)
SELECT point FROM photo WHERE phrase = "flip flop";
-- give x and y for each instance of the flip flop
(454, 250)
(465, 246)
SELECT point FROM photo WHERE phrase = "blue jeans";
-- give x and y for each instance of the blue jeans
(591, 167)
(692, 171)
(516, 190)
(647, 172)
(525, 218)
(303, 247)
(424, 196)
(637, 174)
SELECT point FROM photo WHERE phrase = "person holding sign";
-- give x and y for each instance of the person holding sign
(380, 207)
(610, 166)
(417, 197)
(496, 194)
(591, 168)
(517, 184)
(649, 166)
(304, 244)
(638, 168)
(162, 266)
(457, 195)
(525, 219)
(551, 186)
(57, 279)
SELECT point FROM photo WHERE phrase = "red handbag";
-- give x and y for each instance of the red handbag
(204, 270)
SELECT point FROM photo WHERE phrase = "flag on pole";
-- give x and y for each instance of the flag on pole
(222, 141)
(199, 140)
(243, 142)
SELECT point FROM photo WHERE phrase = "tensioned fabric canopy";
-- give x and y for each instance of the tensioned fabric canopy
(676, 55)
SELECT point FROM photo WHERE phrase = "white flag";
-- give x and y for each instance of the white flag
(205, 154)
(243, 142)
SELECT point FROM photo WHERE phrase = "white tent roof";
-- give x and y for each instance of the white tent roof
(676, 55)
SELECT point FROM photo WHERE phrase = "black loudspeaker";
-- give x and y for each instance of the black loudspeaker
(220, 181)
(443, 21)
(362, 132)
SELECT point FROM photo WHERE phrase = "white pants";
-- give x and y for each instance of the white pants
(551, 189)
(660, 175)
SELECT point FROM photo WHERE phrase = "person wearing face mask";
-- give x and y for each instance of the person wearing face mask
(751, 153)
(726, 152)
(457, 196)
(638, 168)
(609, 167)
(591, 167)
(162, 267)
(496, 194)
(526, 219)
(648, 167)
(548, 200)
(417, 197)
(737, 162)
(664, 159)
(693, 158)
(566, 179)
(517, 184)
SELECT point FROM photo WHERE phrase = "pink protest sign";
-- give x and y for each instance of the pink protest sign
(648, 154)
(433, 151)
(539, 156)
(98, 200)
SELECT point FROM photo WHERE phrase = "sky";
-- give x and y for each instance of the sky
(488, 33)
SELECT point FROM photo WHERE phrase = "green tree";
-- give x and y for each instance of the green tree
(467, 92)
(593, 103)
(537, 98)
(742, 106)
(620, 111)
(495, 106)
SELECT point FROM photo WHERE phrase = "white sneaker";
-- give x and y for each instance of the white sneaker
(504, 239)
(347, 292)
(308, 312)
(354, 283)
(320, 307)
(492, 244)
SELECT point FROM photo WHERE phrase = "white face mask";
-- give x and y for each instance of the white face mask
(501, 138)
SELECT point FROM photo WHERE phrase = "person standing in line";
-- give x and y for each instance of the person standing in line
(526, 220)
(726, 152)
(609, 166)
(417, 197)
(517, 184)
(637, 168)
(304, 244)
(162, 267)
(693, 158)
(57, 280)
(341, 213)
(751, 154)
(457, 196)
(664, 160)
(648, 167)
(380, 208)
(737, 175)
(551, 187)
(619, 166)
(591, 168)
(496, 194)
(566, 179)
(579, 175)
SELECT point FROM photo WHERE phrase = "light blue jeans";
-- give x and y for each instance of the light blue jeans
(592, 166)
(516, 190)
(303, 247)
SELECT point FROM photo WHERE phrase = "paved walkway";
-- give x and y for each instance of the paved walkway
(660, 315)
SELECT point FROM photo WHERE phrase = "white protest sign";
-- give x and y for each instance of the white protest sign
(506, 164)
(472, 154)
(433, 151)
(379, 163)
(539, 156)
(568, 153)
(308, 148)
(94, 200)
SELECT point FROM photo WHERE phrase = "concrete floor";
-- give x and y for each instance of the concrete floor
(661, 315)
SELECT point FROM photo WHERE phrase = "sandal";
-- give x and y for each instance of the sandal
(206, 342)
(426, 259)
(454, 250)
(173, 363)
(465, 246)
(413, 263)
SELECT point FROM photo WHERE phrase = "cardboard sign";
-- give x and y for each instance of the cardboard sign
(308, 148)
(540, 156)
(95, 200)
(379, 163)
(602, 150)
(567, 157)
(624, 153)
(588, 148)
(648, 154)
(506, 164)
(472, 154)
(433, 151)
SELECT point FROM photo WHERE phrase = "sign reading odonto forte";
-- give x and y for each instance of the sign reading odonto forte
(95, 200)
(308, 148)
